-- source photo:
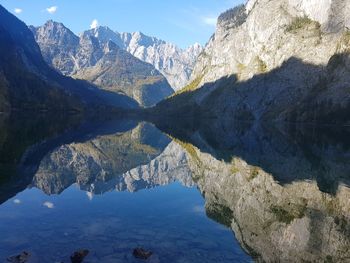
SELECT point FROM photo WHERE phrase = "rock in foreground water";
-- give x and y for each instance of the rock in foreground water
(78, 256)
(21, 258)
(142, 253)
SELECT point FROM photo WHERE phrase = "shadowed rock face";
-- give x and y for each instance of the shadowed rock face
(282, 190)
(295, 92)
(99, 59)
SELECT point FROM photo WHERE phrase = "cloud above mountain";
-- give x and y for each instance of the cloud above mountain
(94, 24)
(52, 9)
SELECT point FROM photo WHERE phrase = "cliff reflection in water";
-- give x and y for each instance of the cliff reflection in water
(284, 191)
(138, 159)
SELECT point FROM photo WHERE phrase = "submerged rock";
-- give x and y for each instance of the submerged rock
(142, 253)
(78, 256)
(21, 258)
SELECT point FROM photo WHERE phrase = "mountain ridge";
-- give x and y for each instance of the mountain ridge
(100, 61)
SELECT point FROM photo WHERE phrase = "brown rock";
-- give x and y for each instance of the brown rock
(141, 253)
(21, 258)
(78, 256)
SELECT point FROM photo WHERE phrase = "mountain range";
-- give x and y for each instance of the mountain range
(174, 63)
(101, 61)
(28, 83)
(128, 63)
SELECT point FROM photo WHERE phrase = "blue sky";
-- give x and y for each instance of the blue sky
(182, 22)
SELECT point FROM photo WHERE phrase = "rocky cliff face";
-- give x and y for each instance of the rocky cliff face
(276, 60)
(96, 57)
(174, 63)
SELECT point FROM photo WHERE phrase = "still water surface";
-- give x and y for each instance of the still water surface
(202, 194)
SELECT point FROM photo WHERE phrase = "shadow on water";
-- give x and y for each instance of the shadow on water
(289, 152)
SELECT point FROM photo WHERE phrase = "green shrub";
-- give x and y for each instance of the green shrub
(254, 172)
(299, 23)
(287, 216)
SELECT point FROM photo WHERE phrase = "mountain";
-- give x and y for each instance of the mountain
(98, 59)
(28, 83)
(174, 63)
(284, 60)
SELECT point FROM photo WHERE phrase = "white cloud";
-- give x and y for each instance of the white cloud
(52, 9)
(18, 10)
(211, 21)
(94, 24)
(17, 201)
(49, 205)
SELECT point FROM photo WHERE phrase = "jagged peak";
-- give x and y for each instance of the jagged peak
(52, 23)
(104, 34)
(195, 49)
(145, 40)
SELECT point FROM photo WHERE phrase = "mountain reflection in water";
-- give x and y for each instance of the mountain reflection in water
(68, 183)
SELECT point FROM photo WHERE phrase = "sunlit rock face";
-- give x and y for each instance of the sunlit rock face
(174, 63)
(284, 192)
(131, 161)
(267, 36)
(275, 60)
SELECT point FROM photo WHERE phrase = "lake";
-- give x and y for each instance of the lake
(187, 191)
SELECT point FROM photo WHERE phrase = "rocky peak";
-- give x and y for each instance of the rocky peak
(105, 34)
(195, 48)
(174, 63)
(146, 41)
(56, 33)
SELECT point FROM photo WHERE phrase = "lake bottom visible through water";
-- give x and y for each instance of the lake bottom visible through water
(169, 221)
